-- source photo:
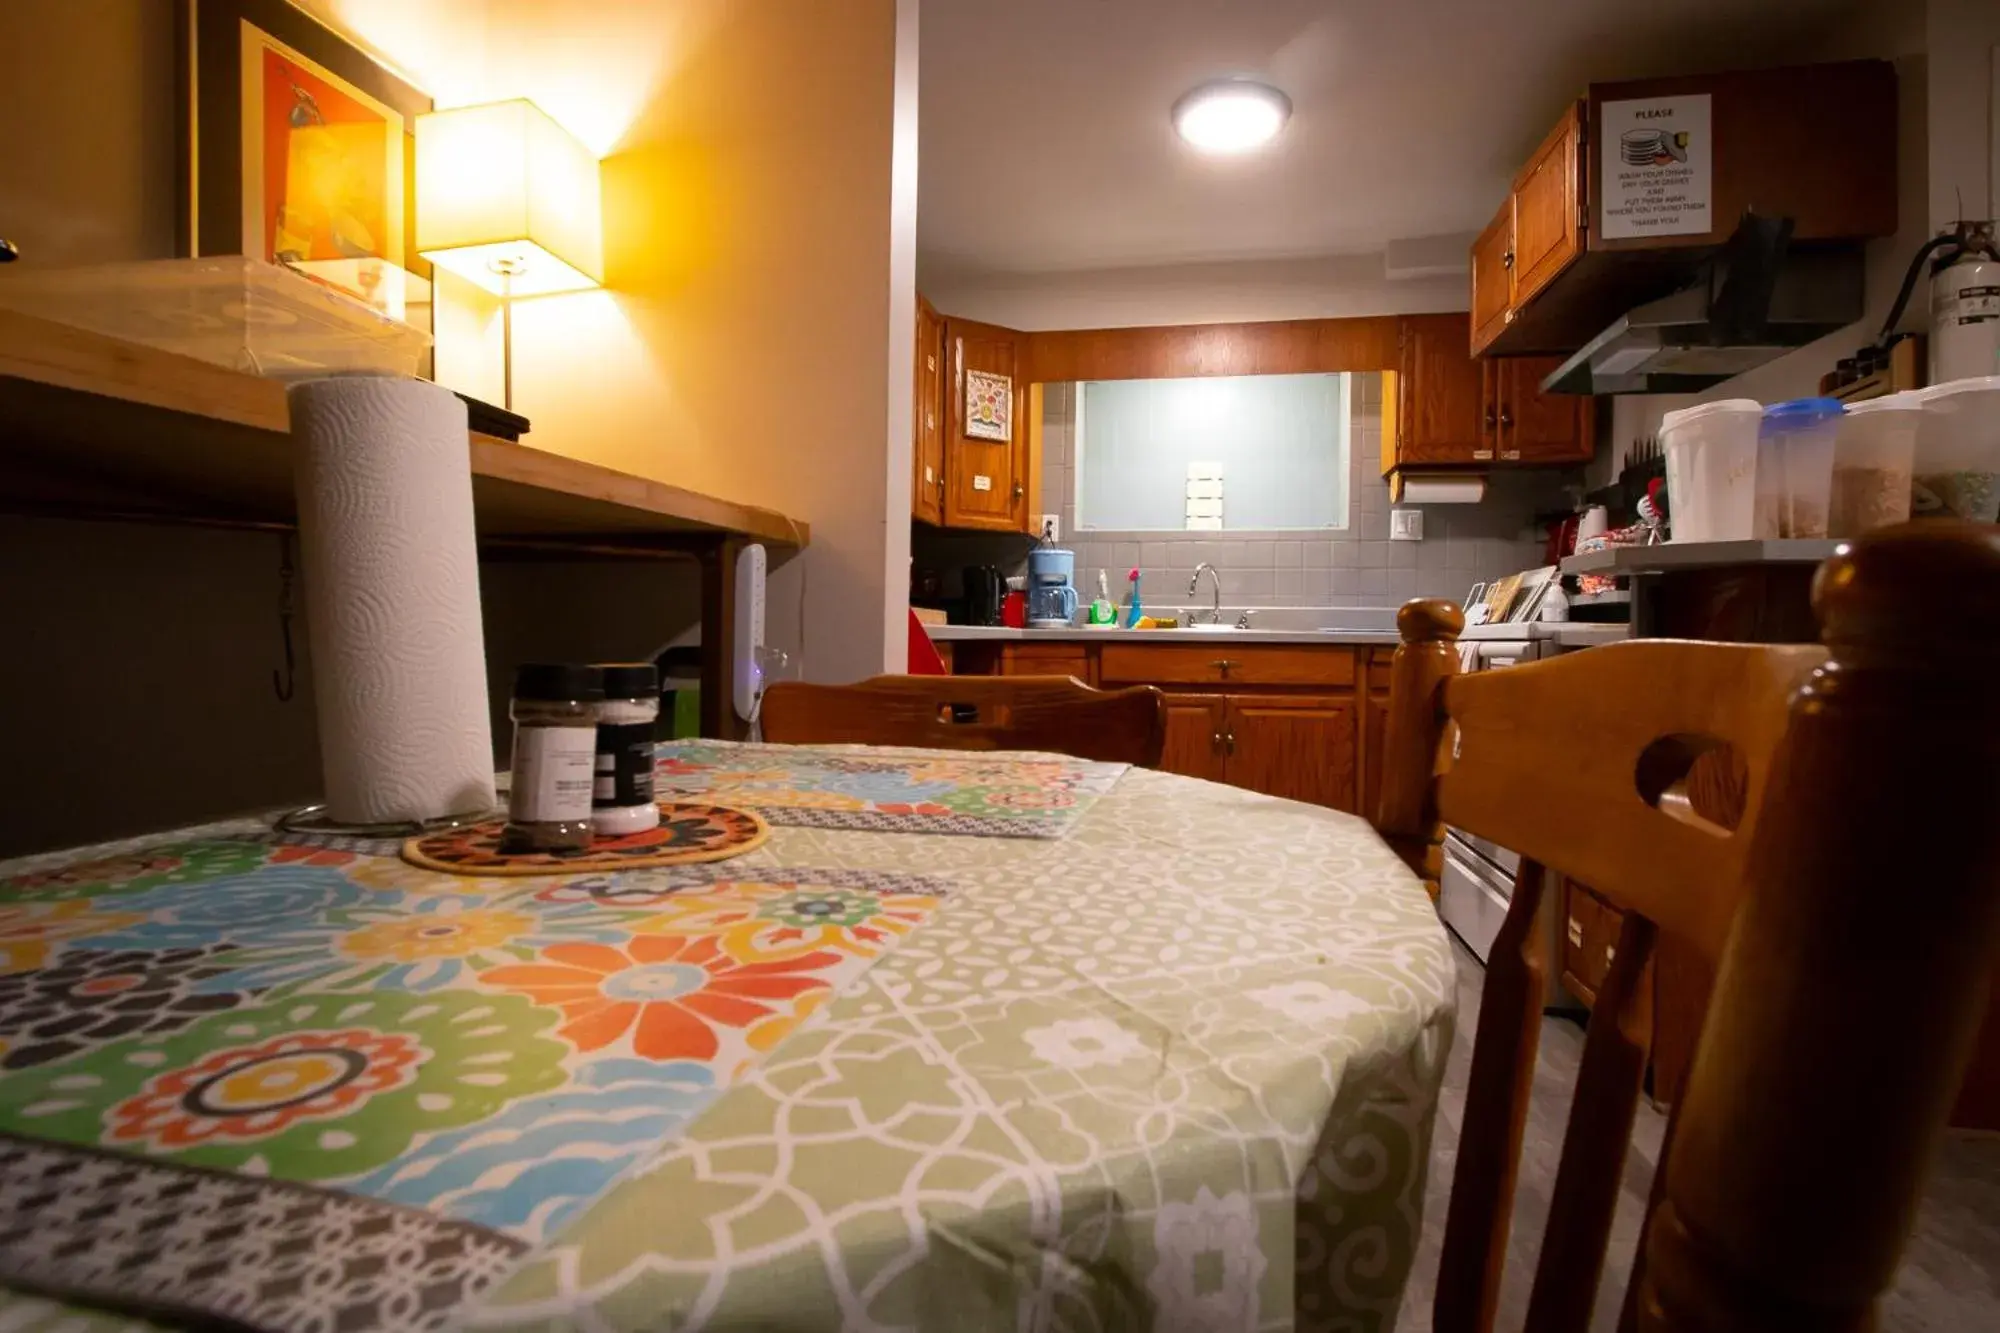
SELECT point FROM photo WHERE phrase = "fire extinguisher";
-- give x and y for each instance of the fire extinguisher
(1965, 301)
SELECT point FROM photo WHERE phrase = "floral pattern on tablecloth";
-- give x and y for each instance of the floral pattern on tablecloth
(888, 790)
(497, 1052)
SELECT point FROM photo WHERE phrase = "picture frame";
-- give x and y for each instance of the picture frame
(989, 406)
(295, 145)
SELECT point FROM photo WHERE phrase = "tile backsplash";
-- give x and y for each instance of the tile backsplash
(1354, 566)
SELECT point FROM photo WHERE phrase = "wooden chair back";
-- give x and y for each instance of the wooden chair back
(1851, 913)
(1054, 713)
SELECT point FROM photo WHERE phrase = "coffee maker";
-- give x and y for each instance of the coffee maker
(1051, 588)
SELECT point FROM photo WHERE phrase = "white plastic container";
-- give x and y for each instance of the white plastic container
(1795, 445)
(1872, 458)
(1957, 470)
(1711, 454)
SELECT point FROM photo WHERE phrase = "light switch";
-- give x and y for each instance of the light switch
(1406, 525)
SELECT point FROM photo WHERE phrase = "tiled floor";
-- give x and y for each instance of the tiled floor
(1950, 1280)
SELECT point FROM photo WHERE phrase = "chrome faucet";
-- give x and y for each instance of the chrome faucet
(1194, 584)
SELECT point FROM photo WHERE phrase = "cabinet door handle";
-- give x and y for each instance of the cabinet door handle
(1019, 490)
(1506, 419)
(1215, 742)
(1507, 260)
(1489, 419)
(1229, 742)
(1223, 664)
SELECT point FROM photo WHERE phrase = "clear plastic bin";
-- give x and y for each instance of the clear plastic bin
(1711, 454)
(1872, 459)
(1957, 472)
(227, 309)
(1795, 467)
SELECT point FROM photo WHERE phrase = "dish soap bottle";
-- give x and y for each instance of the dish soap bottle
(1133, 610)
(1101, 610)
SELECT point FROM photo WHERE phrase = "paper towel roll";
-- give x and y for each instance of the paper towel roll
(384, 483)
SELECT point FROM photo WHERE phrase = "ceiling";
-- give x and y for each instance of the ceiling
(1045, 144)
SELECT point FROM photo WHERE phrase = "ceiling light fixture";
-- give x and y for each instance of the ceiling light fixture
(1231, 116)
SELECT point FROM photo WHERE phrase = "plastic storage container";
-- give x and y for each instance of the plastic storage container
(258, 318)
(1872, 458)
(1957, 470)
(1795, 467)
(1711, 454)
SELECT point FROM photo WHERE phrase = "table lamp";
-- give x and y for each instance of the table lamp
(508, 199)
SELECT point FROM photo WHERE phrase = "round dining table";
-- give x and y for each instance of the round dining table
(968, 1041)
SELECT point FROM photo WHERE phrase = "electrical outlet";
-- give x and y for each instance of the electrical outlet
(1051, 527)
(1406, 525)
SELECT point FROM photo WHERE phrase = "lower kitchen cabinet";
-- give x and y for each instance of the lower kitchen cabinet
(1286, 720)
(1298, 747)
(1194, 736)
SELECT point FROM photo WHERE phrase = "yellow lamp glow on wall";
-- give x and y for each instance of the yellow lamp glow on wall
(508, 199)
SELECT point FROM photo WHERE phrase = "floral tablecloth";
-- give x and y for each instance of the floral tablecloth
(1175, 1067)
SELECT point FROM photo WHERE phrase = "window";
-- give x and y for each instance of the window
(1237, 453)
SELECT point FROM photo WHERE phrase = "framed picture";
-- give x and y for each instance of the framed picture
(295, 147)
(989, 406)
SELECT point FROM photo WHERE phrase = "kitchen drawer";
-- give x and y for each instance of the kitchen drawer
(1225, 664)
(1047, 659)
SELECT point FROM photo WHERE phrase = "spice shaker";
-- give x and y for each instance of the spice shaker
(555, 757)
(622, 801)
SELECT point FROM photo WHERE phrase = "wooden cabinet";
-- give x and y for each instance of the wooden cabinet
(1548, 218)
(1298, 747)
(1546, 276)
(1296, 721)
(959, 478)
(985, 479)
(1194, 746)
(1374, 728)
(927, 420)
(1431, 414)
(1529, 426)
(1492, 282)
(1442, 408)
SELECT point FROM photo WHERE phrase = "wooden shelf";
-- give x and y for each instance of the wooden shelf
(96, 426)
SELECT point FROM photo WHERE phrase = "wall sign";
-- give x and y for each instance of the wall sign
(1658, 164)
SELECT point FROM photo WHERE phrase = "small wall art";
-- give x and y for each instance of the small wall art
(989, 406)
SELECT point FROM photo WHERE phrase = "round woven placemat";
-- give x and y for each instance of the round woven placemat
(689, 831)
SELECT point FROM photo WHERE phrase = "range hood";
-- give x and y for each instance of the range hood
(1753, 302)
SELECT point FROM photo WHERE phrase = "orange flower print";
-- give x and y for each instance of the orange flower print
(668, 992)
(296, 854)
(252, 1092)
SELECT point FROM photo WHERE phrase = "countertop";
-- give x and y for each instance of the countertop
(1697, 555)
(963, 633)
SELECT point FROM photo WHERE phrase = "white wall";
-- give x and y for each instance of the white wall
(1963, 39)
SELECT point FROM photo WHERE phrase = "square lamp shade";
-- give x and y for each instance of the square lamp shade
(508, 199)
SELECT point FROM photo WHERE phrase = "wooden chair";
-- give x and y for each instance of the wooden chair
(1054, 713)
(1851, 915)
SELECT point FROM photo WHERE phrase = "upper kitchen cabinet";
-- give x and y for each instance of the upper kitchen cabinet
(1548, 228)
(1432, 409)
(1637, 187)
(1443, 409)
(991, 434)
(927, 419)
